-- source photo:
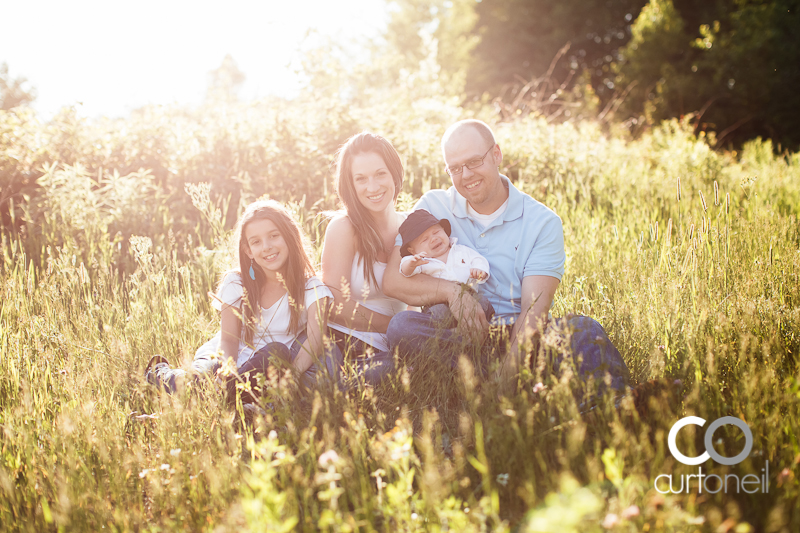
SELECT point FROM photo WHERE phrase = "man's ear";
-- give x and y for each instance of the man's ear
(497, 153)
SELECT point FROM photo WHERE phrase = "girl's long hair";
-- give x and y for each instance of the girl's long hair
(295, 271)
(368, 240)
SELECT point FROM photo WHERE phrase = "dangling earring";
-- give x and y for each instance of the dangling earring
(252, 272)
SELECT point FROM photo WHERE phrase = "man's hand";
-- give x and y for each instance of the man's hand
(537, 293)
(511, 365)
(472, 323)
(417, 260)
(477, 274)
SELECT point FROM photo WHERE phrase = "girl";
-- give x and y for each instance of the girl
(265, 304)
(369, 176)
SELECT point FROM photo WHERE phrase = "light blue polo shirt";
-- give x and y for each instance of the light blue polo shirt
(527, 240)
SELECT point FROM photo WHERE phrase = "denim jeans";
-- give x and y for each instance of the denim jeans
(591, 352)
(370, 368)
(207, 365)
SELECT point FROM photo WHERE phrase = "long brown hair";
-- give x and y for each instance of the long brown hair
(295, 271)
(368, 240)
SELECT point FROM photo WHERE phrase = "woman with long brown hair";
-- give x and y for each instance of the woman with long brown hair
(358, 241)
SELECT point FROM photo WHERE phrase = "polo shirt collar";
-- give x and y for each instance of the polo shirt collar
(513, 209)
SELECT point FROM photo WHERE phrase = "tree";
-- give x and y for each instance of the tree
(656, 60)
(13, 92)
(421, 31)
(224, 82)
(735, 63)
(520, 38)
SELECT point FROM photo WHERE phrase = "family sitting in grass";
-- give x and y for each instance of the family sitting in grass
(482, 260)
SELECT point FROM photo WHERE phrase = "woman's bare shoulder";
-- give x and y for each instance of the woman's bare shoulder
(340, 227)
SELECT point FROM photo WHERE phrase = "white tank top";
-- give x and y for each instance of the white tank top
(373, 299)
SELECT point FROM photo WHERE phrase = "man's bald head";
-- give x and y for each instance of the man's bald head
(478, 125)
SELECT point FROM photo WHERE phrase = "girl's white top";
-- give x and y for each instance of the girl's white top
(372, 298)
(273, 325)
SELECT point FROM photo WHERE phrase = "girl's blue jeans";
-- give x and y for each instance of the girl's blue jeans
(206, 366)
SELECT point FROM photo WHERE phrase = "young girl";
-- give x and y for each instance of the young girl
(265, 304)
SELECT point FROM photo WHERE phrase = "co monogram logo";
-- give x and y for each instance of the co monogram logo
(709, 440)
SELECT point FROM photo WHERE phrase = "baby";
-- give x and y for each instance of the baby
(427, 248)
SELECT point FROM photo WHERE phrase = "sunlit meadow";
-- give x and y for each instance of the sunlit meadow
(115, 231)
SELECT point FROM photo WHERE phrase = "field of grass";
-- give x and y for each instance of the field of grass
(688, 257)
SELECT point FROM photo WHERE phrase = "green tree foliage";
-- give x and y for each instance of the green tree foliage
(733, 64)
(736, 63)
(520, 38)
(655, 59)
(13, 92)
(424, 31)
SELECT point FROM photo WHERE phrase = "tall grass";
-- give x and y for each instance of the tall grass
(688, 257)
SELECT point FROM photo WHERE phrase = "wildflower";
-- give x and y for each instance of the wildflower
(785, 475)
(630, 512)
(610, 520)
(328, 457)
(165, 466)
(144, 472)
(539, 387)
(502, 479)
(175, 452)
(272, 435)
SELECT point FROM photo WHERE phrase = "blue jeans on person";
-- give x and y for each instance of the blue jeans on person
(371, 366)
(412, 334)
(329, 367)
(207, 365)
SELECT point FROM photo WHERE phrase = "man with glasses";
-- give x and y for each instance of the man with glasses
(524, 243)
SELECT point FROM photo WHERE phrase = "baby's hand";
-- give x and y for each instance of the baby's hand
(408, 267)
(478, 274)
(418, 259)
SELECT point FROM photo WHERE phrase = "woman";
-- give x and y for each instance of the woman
(369, 176)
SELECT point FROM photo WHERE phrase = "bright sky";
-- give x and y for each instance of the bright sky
(116, 56)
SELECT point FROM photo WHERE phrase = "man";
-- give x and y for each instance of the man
(524, 243)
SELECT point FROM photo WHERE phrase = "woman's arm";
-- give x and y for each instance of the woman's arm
(338, 253)
(313, 348)
(423, 289)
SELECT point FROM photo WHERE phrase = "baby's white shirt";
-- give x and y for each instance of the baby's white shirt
(459, 262)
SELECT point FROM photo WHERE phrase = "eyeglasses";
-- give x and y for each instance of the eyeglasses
(471, 164)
